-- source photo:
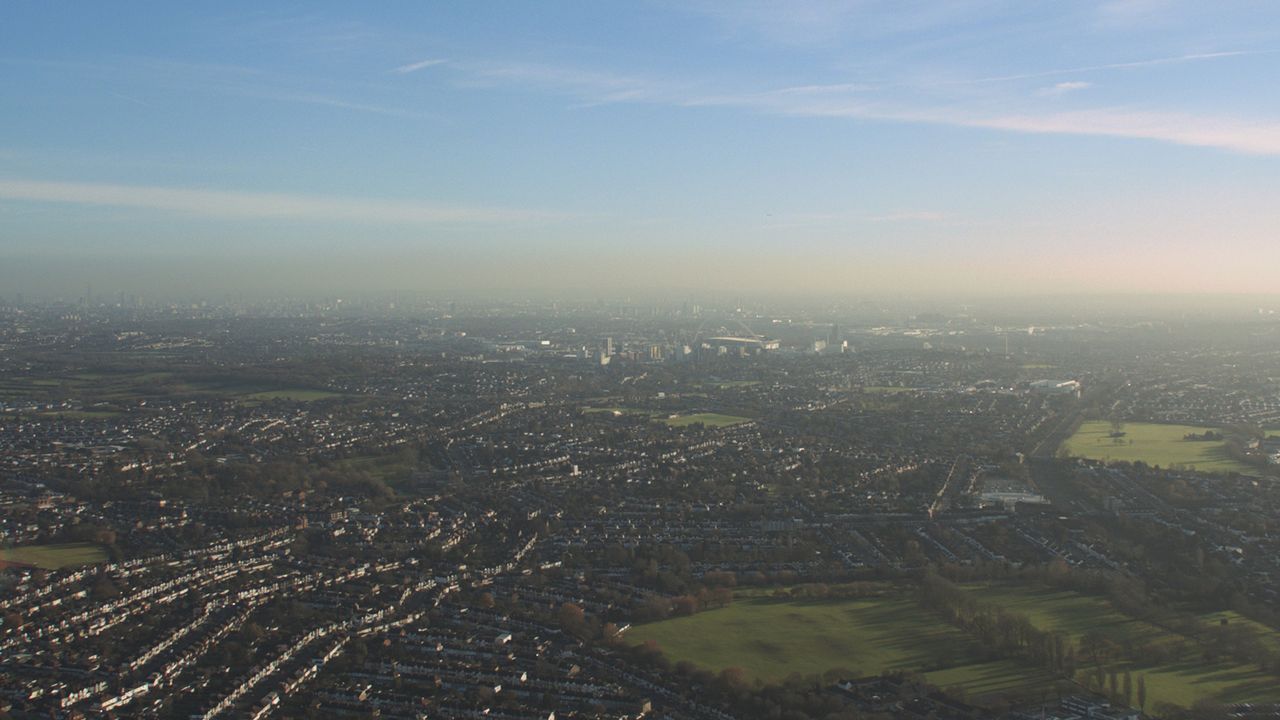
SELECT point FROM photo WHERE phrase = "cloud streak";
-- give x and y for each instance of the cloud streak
(416, 66)
(1151, 62)
(1255, 137)
(241, 205)
(861, 102)
(1063, 88)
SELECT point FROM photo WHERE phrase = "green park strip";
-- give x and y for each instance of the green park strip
(1153, 444)
(770, 639)
(54, 557)
(1185, 678)
(294, 394)
(619, 411)
(81, 414)
(131, 387)
(711, 420)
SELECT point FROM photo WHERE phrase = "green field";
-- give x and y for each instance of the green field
(131, 386)
(619, 411)
(296, 394)
(886, 389)
(771, 639)
(81, 414)
(1183, 681)
(53, 557)
(1153, 444)
(711, 420)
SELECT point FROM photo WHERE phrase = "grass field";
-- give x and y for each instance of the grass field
(131, 386)
(1183, 681)
(771, 639)
(296, 394)
(619, 411)
(711, 420)
(1153, 444)
(53, 557)
(887, 390)
(81, 414)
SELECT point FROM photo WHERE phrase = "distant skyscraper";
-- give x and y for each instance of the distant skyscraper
(608, 346)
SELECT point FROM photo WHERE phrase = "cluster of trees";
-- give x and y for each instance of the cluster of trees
(1189, 633)
(1012, 634)
(1205, 436)
(1004, 633)
(824, 591)
(1119, 686)
(661, 607)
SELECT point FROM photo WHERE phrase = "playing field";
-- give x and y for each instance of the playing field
(53, 557)
(112, 388)
(295, 394)
(1183, 681)
(711, 420)
(771, 639)
(1153, 444)
(619, 411)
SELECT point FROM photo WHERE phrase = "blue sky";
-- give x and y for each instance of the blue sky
(964, 146)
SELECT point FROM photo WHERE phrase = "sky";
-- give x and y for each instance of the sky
(567, 148)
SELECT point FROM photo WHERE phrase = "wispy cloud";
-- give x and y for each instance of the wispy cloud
(857, 101)
(242, 205)
(1063, 88)
(1150, 62)
(420, 65)
(1253, 137)
(1258, 137)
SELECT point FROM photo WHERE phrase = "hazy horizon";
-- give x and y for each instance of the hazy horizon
(970, 149)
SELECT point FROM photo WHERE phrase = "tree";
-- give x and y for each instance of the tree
(1142, 692)
(571, 616)
(685, 605)
(734, 677)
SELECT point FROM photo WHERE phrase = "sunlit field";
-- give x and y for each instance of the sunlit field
(1153, 444)
(770, 639)
(54, 557)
